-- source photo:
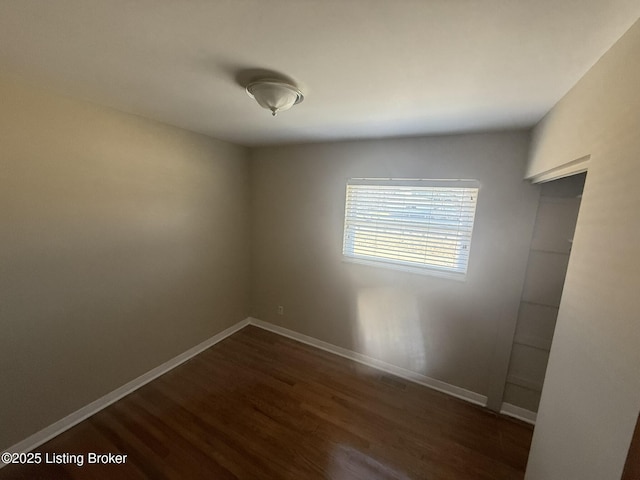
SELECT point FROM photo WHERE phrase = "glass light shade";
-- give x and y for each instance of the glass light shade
(274, 95)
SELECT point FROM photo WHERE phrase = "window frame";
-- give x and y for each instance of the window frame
(407, 266)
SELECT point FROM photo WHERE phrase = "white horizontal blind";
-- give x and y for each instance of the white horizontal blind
(415, 223)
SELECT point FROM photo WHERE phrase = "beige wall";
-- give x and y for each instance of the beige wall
(456, 332)
(591, 395)
(123, 243)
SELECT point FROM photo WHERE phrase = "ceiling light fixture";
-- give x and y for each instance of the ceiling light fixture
(274, 95)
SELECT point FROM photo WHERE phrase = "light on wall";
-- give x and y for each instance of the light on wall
(274, 95)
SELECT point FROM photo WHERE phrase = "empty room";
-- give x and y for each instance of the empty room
(367, 239)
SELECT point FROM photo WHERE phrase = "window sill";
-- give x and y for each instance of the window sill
(430, 272)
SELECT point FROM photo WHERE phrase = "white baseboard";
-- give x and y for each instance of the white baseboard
(432, 383)
(520, 413)
(85, 412)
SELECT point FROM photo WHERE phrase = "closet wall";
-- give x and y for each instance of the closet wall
(546, 270)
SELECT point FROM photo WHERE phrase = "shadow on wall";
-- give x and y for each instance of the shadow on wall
(388, 327)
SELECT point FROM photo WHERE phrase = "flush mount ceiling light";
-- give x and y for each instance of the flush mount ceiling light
(274, 95)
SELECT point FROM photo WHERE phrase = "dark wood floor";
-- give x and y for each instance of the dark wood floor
(261, 406)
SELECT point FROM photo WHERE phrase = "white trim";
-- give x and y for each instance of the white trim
(85, 412)
(414, 377)
(94, 407)
(574, 167)
(401, 267)
(520, 413)
(417, 182)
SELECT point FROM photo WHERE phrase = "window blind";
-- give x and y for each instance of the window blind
(422, 224)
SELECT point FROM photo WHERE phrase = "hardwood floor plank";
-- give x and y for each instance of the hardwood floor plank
(261, 406)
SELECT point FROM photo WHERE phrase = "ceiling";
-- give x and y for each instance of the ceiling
(368, 68)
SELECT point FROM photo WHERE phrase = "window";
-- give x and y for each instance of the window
(423, 226)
